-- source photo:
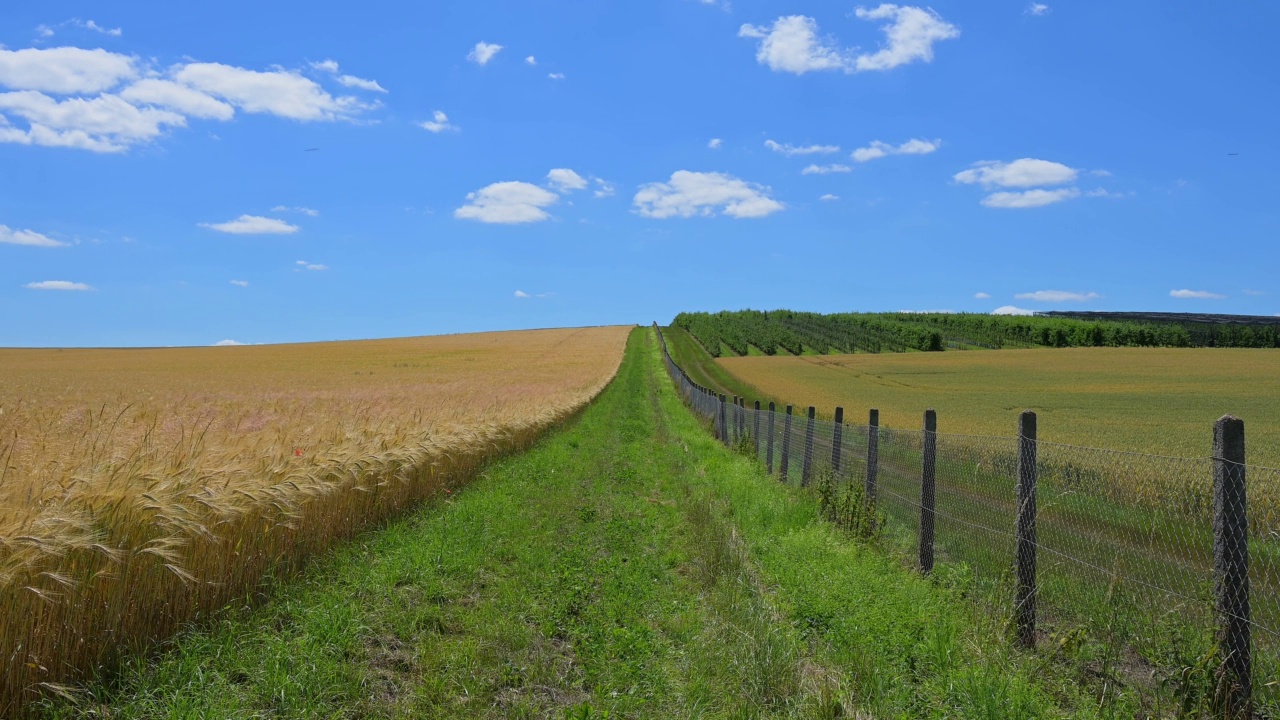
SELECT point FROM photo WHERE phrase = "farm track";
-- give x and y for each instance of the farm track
(627, 564)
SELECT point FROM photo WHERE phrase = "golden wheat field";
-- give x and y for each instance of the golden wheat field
(141, 489)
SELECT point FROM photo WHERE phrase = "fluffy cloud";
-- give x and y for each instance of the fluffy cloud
(103, 124)
(58, 285)
(507, 203)
(253, 225)
(240, 283)
(1029, 198)
(556, 76)
(304, 210)
(483, 52)
(566, 180)
(1023, 173)
(1036, 8)
(1057, 296)
(792, 45)
(604, 188)
(825, 169)
(829, 198)
(522, 295)
(227, 343)
(879, 149)
(27, 237)
(64, 70)
(688, 194)
(1195, 295)
(177, 97)
(315, 267)
(351, 81)
(278, 92)
(1011, 310)
(715, 143)
(439, 122)
(911, 33)
(531, 60)
(981, 296)
(792, 150)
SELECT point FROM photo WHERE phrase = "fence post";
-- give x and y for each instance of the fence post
(873, 461)
(1025, 530)
(806, 469)
(836, 437)
(724, 426)
(928, 477)
(755, 433)
(786, 446)
(772, 431)
(742, 417)
(1231, 564)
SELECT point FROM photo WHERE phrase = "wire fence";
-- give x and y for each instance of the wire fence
(1151, 571)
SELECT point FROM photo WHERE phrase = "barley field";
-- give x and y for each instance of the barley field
(143, 489)
(1151, 400)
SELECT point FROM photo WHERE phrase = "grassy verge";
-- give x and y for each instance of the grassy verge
(627, 566)
(704, 370)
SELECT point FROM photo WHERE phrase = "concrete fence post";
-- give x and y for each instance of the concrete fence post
(773, 430)
(755, 429)
(806, 469)
(786, 447)
(836, 436)
(928, 495)
(1025, 532)
(1231, 565)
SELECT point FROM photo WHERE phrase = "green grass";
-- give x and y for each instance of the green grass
(628, 566)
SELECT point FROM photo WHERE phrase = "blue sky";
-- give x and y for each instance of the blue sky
(181, 175)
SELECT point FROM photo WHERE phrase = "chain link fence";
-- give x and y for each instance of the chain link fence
(1128, 562)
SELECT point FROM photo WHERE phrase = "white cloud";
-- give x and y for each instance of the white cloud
(27, 237)
(304, 210)
(91, 25)
(1104, 193)
(44, 31)
(1057, 296)
(792, 150)
(240, 283)
(565, 180)
(253, 225)
(1196, 295)
(522, 294)
(829, 198)
(64, 70)
(58, 285)
(911, 33)
(227, 343)
(688, 194)
(507, 203)
(556, 76)
(1011, 310)
(527, 296)
(825, 169)
(792, 45)
(1029, 198)
(361, 83)
(438, 123)
(604, 188)
(1023, 173)
(304, 265)
(531, 60)
(981, 296)
(278, 92)
(177, 97)
(483, 52)
(329, 66)
(105, 123)
(879, 149)
(1036, 8)
(715, 143)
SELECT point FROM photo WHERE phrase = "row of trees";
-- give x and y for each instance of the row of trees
(793, 332)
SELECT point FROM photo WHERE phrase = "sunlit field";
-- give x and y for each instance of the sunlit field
(144, 488)
(1153, 400)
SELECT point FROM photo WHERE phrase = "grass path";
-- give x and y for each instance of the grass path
(626, 567)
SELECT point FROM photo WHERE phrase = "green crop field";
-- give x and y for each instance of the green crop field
(1153, 400)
